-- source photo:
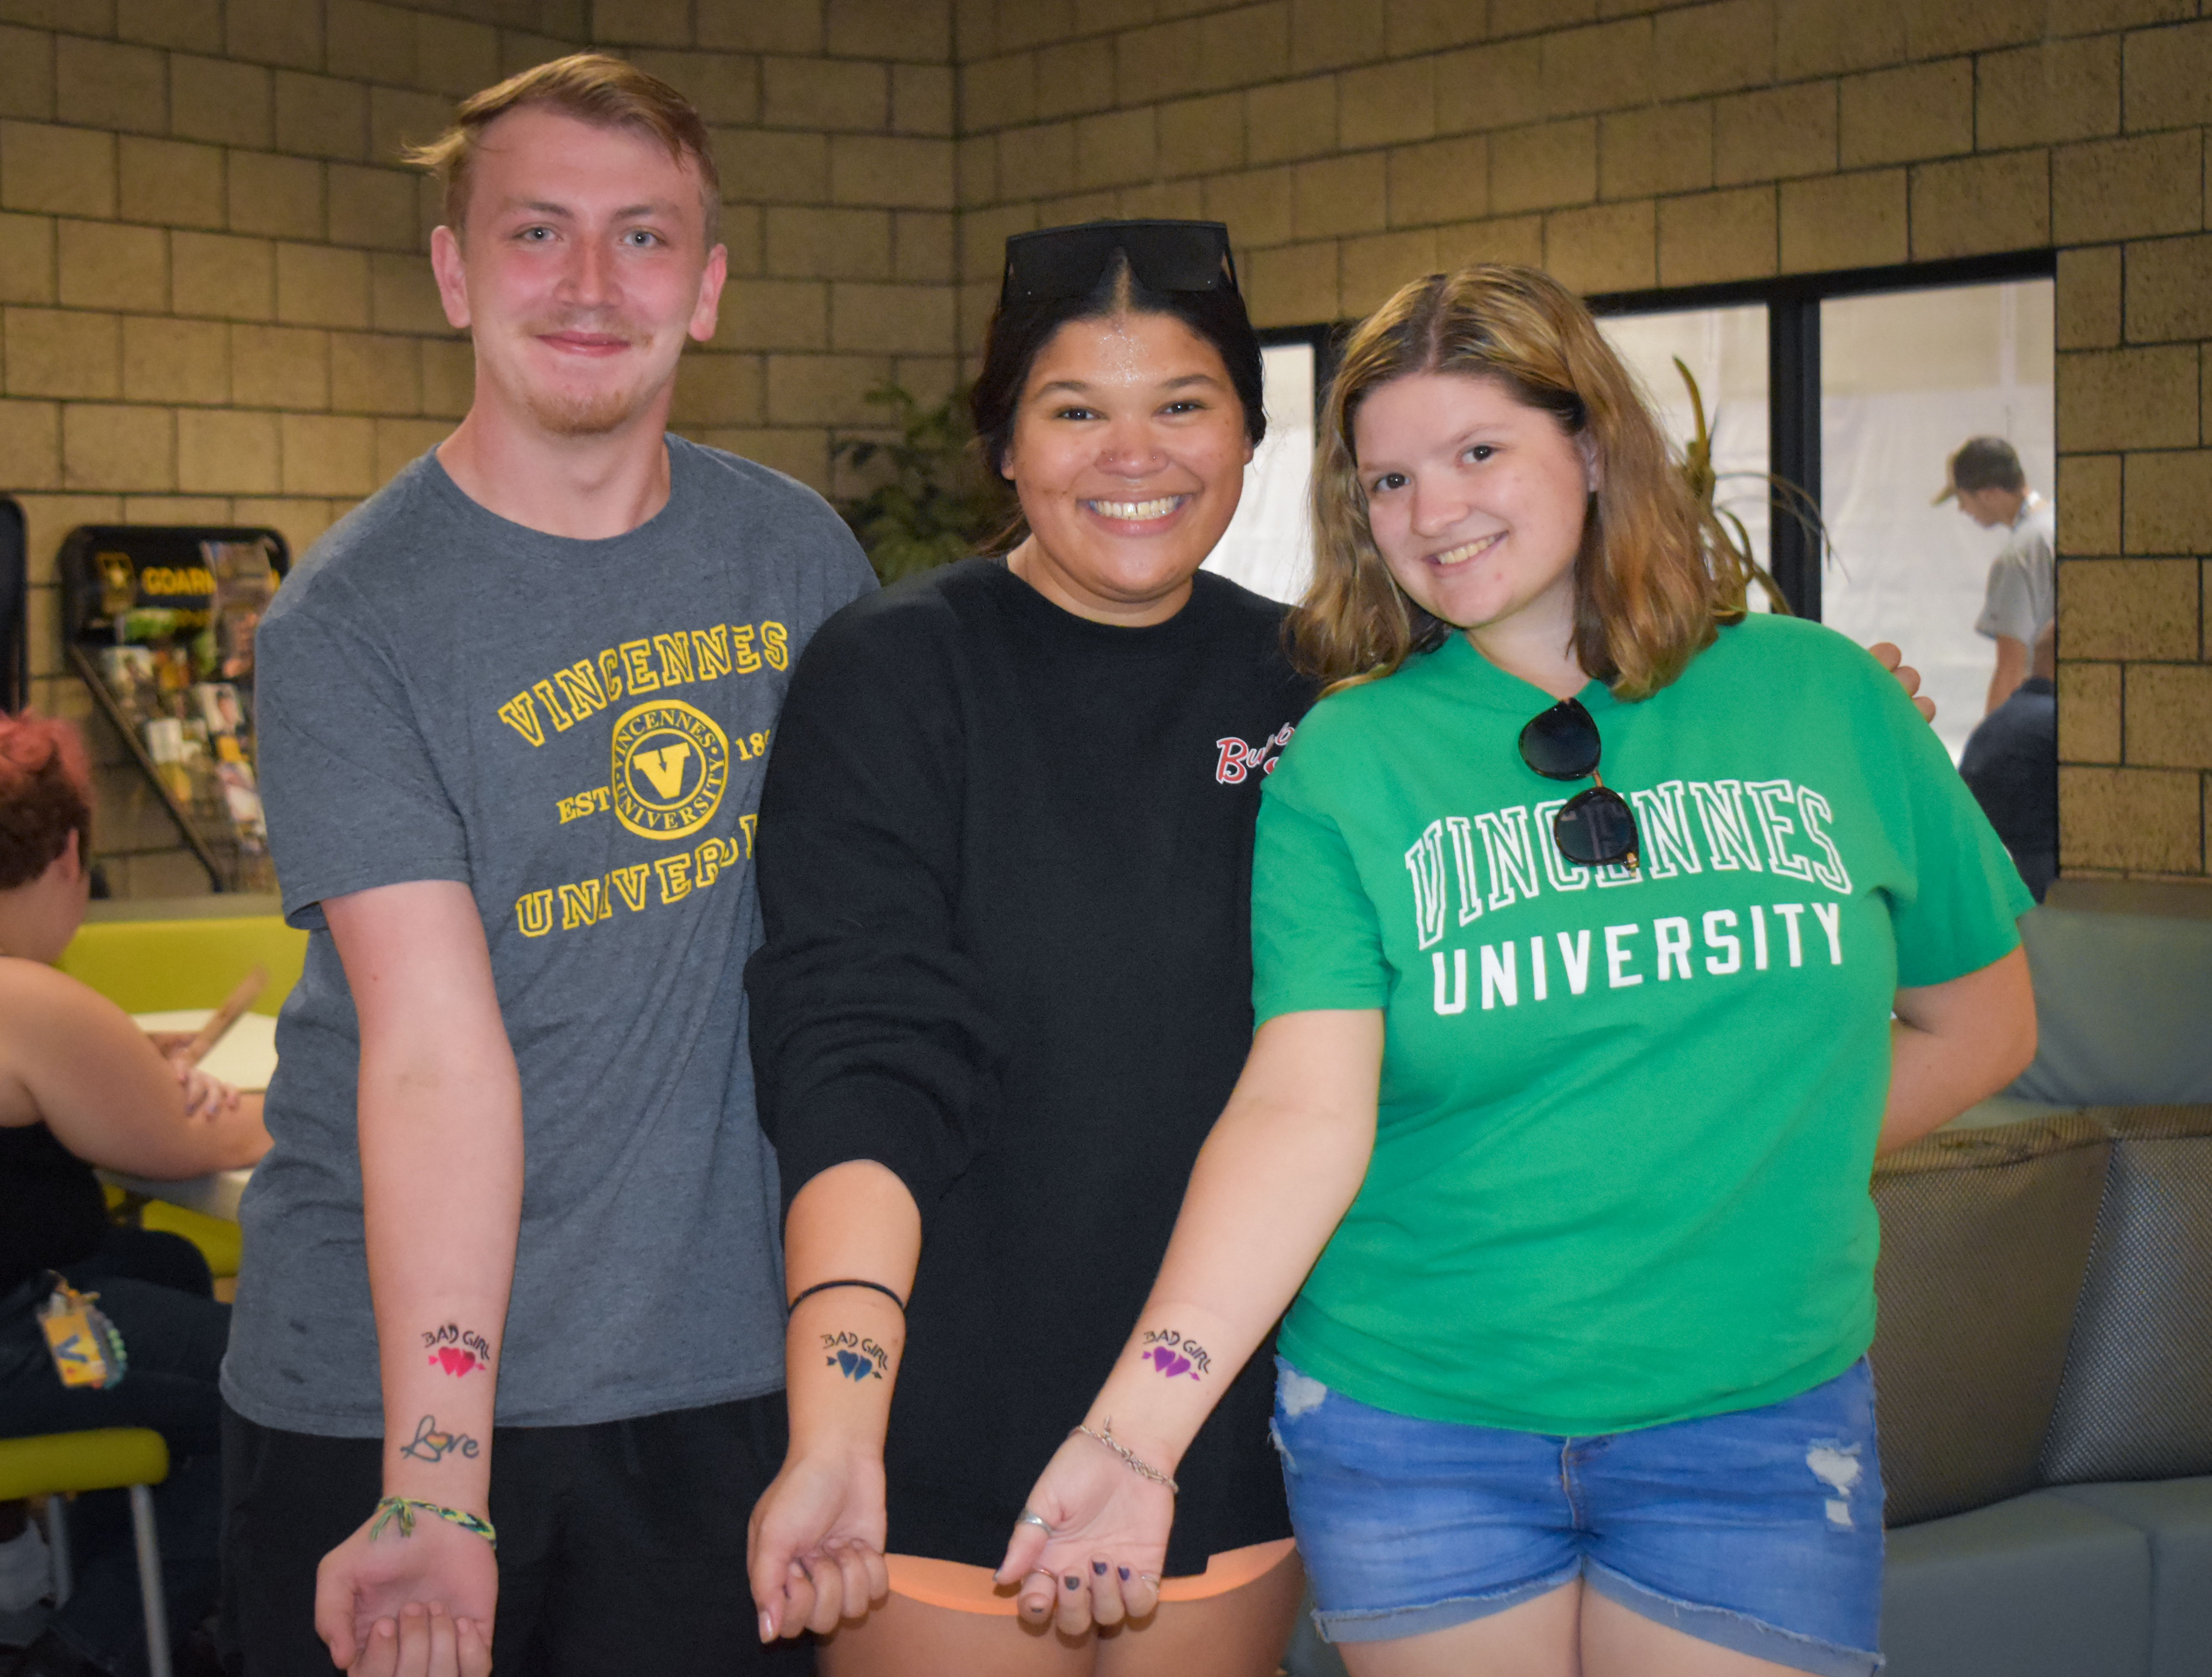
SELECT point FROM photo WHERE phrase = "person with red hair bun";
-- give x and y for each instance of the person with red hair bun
(81, 1086)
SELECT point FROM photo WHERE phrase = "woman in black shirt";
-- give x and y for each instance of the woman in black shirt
(1005, 862)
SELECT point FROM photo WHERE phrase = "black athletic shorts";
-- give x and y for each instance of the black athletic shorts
(622, 1545)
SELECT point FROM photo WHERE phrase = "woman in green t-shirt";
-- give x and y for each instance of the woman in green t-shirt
(1564, 1099)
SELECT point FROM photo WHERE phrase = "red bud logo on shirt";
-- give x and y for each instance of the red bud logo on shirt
(1238, 760)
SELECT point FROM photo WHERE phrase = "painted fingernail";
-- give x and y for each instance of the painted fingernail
(1124, 1572)
(768, 1627)
(1099, 1567)
(1074, 1583)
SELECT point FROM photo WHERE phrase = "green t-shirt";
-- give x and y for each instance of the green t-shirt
(1627, 1118)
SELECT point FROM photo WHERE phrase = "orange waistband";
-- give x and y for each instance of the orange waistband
(966, 1588)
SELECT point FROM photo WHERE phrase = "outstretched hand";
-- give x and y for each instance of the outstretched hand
(1096, 1559)
(403, 1604)
(1891, 657)
(815, 1546)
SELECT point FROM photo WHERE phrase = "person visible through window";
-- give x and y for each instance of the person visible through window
(1984, 477)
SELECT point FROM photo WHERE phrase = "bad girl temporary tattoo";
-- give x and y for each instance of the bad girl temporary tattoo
(458, 1350)
(1172, 1354)
(854, 1357)
(428, 1444)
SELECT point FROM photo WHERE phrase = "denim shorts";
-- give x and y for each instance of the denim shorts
(1759, 1531)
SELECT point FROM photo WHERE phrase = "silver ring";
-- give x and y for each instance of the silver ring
(1029, 1518)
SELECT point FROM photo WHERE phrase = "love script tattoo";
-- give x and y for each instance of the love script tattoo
(854, 1357)
(1172, 1354)
(458, 1350)
(428, 1444)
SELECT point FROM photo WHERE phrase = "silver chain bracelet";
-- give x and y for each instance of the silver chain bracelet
(1138, 1465)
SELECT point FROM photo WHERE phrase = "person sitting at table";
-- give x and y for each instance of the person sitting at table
(79, 1086)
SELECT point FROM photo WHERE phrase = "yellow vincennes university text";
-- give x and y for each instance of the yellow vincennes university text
(638, 667)
(668, 763)
(669, 879)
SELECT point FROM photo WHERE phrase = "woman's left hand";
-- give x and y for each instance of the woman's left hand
(1097, 1559)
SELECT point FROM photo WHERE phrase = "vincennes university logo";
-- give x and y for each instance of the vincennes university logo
(671, 764)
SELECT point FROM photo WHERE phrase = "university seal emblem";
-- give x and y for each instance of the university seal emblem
(671, 764)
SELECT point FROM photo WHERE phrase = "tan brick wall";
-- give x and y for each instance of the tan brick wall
(1351, 144)
(833, 130)
(215, 304)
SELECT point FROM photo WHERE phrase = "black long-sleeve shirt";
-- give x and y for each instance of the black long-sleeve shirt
(1005, 862)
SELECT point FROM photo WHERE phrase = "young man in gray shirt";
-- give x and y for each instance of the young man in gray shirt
(510, 1264)
(2022, 596)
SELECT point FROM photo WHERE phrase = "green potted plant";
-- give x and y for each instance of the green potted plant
(1727, 530)
(939, 504)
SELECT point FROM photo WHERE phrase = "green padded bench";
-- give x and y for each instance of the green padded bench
(153, 965)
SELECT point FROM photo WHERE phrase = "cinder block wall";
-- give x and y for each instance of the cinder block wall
(216, 306)
(834, 137)
(214, 302)
(1351, 144)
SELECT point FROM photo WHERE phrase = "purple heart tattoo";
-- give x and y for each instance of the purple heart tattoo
(1169, 1363)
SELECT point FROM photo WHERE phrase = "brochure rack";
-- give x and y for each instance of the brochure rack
(159, 621)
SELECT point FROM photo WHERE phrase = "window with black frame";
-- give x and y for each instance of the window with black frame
(1864, 387)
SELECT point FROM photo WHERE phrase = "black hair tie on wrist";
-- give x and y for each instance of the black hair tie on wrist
(825, 1286)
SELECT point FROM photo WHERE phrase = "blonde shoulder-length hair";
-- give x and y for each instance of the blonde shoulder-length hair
(1654, 581)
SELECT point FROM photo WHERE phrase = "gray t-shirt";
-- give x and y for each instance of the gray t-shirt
(2023, 587)
(575, 730)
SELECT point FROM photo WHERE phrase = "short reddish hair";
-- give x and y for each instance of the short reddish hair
(46, 794)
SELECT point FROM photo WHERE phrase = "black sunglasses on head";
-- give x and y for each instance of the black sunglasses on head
(1062, 262)
(1594, 826)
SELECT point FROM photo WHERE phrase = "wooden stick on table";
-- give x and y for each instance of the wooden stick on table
(225, 1016)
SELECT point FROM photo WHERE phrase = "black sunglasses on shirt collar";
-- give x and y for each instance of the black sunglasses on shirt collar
(1596, 826)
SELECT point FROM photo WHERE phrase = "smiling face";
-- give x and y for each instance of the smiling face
(1128, 455)
(584, 268)
(1477, 503)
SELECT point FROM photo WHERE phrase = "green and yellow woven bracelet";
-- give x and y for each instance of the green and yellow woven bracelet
(403, 1509)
